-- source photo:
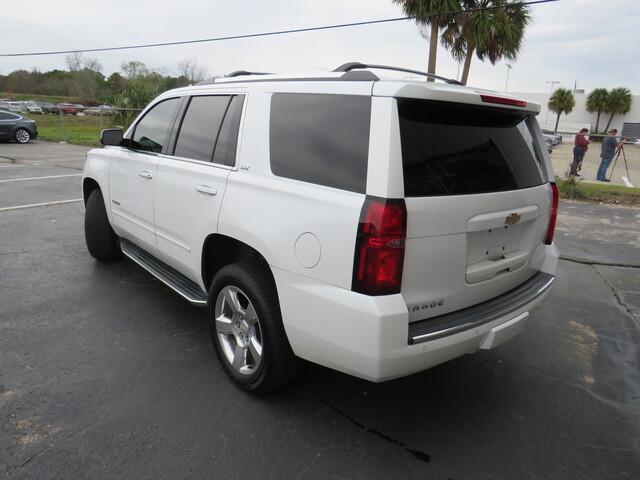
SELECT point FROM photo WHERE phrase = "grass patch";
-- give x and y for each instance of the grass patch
(596, 192)
(83, 130)
(40, 98)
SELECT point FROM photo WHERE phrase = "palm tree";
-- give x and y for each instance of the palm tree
(619, 101)
(426, 13)
(562, 101)
(494, 33)
(597, 103)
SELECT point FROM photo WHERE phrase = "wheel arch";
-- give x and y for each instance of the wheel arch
(88, 186)
(220, 250)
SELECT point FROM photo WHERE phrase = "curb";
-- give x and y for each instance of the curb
(585, 261)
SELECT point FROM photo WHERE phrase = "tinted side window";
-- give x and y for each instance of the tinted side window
(228, 137)
(322, 139)
(7, 116)
(152, 132)
(200, 127)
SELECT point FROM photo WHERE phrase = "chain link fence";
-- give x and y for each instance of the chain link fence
(72, 123)
(84, 126)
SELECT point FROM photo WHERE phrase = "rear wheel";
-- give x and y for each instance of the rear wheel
(100, 237)
(246, 329)
(22, 135)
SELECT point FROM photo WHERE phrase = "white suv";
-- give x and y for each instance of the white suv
(377, 227)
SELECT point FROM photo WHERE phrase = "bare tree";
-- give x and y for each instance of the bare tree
(77, 62)
(74, 61)
(192, 70)
(134, 69)
(86, 75)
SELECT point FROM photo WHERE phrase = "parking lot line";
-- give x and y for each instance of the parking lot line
(40, 178)
(43, 204)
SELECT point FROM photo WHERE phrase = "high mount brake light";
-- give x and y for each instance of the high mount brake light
(553, 215)
(379, 255)
(503, 101)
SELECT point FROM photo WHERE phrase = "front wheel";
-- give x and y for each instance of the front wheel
(22, 135)
(102, 241)
(246, 329)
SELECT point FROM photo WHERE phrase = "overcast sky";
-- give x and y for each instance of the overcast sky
(593, 42)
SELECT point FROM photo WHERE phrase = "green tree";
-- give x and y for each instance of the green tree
(597, 103)
(618, 101)
(436, 14)
(494, 33)
(562, 101)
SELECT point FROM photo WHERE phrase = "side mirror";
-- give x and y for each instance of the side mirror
(112, 137)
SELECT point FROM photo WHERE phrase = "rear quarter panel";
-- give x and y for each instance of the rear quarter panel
(271, 213)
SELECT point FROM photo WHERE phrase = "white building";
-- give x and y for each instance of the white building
(579, 117)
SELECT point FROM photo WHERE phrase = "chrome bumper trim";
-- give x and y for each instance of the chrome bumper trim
(471, 317)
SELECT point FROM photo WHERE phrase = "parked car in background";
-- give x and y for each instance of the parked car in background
(33, 107)
(16, 127)
(70, 108)
(17, 107)
(557, 138)
(548, 140)
(48, 107)
(100, 110)
(4, 105)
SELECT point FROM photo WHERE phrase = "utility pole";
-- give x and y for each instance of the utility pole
(553, 84)
(506, 85)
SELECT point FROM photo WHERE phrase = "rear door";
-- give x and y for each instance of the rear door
(477, 201)
(7, 125)
(133, 174)
(193, 178)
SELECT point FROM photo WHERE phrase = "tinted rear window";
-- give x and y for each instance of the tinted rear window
(321, 139)
(455, 149)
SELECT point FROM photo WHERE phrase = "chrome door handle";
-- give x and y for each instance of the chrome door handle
(145, 174)
(207, 190)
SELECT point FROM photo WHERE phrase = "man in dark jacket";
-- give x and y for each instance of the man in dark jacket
(609, 147)
(581, 145)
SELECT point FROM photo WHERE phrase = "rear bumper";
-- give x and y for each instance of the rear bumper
(371, 337)
(499, 307)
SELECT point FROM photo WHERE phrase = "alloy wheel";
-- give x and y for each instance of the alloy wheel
(238, 330)
(22, 136)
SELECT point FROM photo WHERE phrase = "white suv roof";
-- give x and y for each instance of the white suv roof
(351, 74)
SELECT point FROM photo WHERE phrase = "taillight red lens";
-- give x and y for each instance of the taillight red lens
(553, 214)
(379, 255)
(503, 100)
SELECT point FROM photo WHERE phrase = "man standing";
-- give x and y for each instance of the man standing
(609, 145)
(581, 145)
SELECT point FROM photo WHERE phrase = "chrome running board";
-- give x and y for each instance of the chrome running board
(166, 274)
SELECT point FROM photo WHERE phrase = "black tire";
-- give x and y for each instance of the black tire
(278, 366)
(102, 242)
(22, 135)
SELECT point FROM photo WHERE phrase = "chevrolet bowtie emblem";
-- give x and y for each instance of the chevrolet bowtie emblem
(512, 219)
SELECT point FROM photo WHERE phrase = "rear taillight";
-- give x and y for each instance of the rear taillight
(379, 256)
(553, 214)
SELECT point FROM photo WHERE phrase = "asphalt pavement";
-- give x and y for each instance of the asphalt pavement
(105, 373)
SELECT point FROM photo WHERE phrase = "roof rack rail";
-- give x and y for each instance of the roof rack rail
(239, 73)
(347, 67)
